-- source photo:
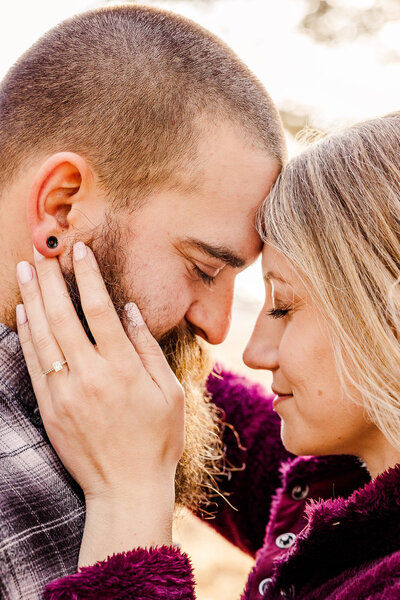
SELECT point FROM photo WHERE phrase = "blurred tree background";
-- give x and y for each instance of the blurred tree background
(333, 21)
(327, 23)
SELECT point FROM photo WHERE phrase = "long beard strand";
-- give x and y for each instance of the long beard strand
(202, 462)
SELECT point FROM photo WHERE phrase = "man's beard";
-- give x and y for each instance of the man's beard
(189, 359)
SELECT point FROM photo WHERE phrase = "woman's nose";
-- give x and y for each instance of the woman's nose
(262, 350)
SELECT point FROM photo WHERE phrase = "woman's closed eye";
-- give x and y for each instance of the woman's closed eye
(279, 312)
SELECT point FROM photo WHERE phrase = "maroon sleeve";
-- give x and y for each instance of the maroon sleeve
(156, 574)
(255, 450)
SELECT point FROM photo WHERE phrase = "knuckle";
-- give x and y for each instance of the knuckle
(30, 292)
(65, 417)
(57, 317)
(43, 341)
(96, 308)
(91, 386)
(87, 268)
(45, 270)
(124, 368)
(149, 345)
(24, 335)
(90, 275)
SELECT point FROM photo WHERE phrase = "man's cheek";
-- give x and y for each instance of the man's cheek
(161, 319)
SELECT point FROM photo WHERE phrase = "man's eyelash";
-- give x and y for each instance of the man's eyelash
(278, 313)
(207, 279)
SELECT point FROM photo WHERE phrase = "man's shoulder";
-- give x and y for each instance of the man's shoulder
(41, 507)
(30, 471)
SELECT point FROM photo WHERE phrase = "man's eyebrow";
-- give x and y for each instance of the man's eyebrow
(271, 275)
(223, 253)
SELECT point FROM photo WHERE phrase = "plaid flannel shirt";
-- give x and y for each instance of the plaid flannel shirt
(42, 508)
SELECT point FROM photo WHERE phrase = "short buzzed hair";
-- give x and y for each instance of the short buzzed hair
(125, 87)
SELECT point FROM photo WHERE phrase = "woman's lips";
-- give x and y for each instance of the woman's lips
(280, 398)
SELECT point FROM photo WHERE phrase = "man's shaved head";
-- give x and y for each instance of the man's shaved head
(128, 87)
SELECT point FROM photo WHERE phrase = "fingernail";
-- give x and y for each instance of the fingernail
(24, 272)
(134, 314)
(79, 251)
(37, 255)
(21, 314)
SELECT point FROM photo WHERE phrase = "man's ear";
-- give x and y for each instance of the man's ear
(63, 180)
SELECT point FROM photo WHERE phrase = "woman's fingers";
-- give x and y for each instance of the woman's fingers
(47, 349)
(61, 315)
(151, 354)
(39, 381)
(99, 310)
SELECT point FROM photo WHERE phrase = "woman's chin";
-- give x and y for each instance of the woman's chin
(301, 444)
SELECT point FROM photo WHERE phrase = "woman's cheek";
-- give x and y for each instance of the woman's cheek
(293, 361)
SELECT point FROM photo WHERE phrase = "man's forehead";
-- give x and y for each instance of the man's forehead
(231, 164)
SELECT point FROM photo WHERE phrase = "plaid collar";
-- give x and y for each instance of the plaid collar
(14, 376)
(15, 379)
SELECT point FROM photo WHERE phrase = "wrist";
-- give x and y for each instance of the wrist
(127, 495)
(139, 488)
(121, 520)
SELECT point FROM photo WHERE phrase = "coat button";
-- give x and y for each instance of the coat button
(288, 592)
(299, 492)
(285, 540)
(264, 585)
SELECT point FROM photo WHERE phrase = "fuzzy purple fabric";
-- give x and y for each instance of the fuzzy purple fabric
(349, 549)
(323, 477)
(347, 544)
(159, 573)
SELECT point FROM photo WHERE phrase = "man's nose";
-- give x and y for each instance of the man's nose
(262, 350)
(210, 316)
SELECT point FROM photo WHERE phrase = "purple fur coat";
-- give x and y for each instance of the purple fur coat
(318, 527)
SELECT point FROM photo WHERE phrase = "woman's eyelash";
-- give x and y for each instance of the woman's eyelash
(278, 313)
(207, 279)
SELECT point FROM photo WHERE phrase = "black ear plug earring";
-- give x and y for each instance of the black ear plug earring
(52, 242)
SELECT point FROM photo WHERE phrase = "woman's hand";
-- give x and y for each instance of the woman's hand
(115, 412)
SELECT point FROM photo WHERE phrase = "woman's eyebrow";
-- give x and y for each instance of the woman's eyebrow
(271, 275)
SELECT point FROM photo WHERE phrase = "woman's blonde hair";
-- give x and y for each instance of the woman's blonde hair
(334, 212)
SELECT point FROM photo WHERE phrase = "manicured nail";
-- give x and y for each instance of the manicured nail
(24, 272)
(21, 314)
(37, 255)
(79, 251)
(134, 314)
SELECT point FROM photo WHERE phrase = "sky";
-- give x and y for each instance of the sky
(337, 84)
